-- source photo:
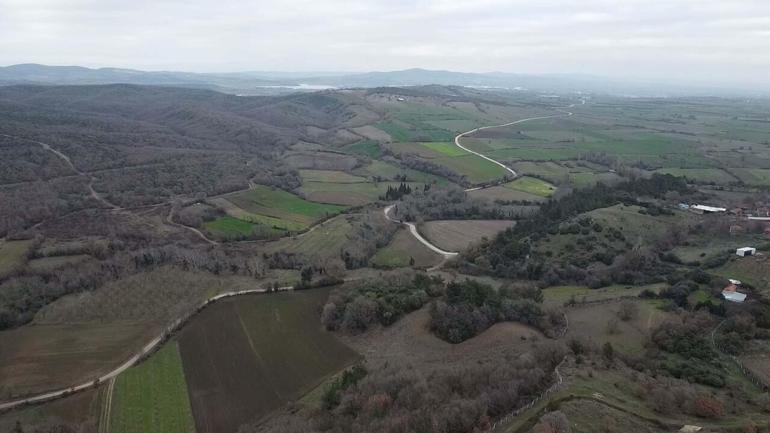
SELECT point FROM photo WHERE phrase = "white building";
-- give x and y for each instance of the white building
(746, 251)
(734, 296)
(707, 209)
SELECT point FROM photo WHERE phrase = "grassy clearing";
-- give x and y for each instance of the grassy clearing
(401, 250)
(153, 396)
(599, 323)
(532, 185)
(559, 295)
(457, 235)
(246, 357)
(13, 255)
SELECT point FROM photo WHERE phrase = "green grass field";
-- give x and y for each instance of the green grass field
(152, 397)
(369, 148)
(324, 241)
(399, 252)
(278, 208)
(13, 254)
(753, 176)
(532, 185)
(231, 227)
(448, 149)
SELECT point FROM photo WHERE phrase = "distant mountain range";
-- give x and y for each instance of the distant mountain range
(266, 83)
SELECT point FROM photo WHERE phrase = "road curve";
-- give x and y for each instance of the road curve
(146, 350)
(515, 122)
(417, 235)
(413, 228)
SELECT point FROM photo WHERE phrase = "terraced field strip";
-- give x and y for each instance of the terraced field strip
(152, 397)
(457, 235)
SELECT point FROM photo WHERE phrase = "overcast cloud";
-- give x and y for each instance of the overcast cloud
(704, 41)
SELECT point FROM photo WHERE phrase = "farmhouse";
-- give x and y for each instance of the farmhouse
(690, 429)
(746, 251)
(731, 293)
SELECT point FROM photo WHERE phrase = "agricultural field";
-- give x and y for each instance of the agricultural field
(267, 211)
(388, 171)
(366, 185)
(501, 193)
(753, 176)
(401, 250)
(13, 255)
(229, 227)
(326, 239)
(39, 358)
(474, 168)
(457, 235)
(152, 396)
(531, 185)
(246, 357)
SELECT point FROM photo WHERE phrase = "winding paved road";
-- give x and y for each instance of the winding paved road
(413, 228)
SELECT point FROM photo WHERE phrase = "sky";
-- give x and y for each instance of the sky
(693, 41)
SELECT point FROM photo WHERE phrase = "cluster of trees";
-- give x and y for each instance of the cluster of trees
(26, 292)
(446, 399)
(452, 202)
(380, 301)
(510, 254)
(396, 193)
(691, 354)
(470, 307)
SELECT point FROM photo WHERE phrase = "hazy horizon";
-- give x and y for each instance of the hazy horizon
(697, 42)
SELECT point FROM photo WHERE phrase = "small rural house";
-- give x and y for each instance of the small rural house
(690, 429)
(746, 251)
(731, 293)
